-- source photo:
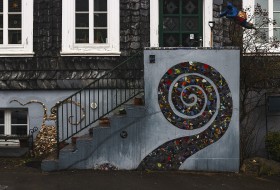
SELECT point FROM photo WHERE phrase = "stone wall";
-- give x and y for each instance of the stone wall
(224, 27)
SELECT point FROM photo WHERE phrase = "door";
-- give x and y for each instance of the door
(180, 23)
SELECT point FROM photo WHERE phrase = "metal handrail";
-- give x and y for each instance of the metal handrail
(96, 100)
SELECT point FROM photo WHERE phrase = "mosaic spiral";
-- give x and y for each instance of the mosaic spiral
(188, 97)
(191, 95)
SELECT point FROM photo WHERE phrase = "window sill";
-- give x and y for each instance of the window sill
(99, 53)
(17, 54)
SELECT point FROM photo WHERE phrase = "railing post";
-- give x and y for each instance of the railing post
(57, 132)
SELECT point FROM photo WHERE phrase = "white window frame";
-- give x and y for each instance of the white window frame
(70, 48)
(8, 122)
(154, 22)
(25, 49)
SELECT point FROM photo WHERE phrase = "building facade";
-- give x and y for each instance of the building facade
(51, 49)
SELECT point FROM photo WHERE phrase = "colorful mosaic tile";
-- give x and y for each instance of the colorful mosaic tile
(191, 95)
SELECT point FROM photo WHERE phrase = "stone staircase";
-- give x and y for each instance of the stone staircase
(103, 141)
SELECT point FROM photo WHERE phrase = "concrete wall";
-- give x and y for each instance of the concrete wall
(150, 133)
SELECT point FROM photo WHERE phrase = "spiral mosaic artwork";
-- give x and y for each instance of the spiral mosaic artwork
(191, 95)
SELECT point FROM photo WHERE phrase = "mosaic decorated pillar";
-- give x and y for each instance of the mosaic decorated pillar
(192, 96)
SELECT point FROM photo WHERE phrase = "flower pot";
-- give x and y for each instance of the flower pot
(104, 121)
(74, 140)
(138, 101)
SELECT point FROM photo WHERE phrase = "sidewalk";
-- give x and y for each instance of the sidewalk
(22, 177)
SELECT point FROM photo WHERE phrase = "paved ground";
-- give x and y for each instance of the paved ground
(20, 177)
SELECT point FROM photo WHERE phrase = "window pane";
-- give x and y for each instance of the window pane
(100, 5)
(171, 40)
(1, 36)
(14, 21)
(171, 24)
(190, 7)
(19, 116)
(1, 5)
(276, 17)
(100, 20)
(2, 116)
(100, 36)
(14, 5)
(262, 3)
(82, 36)
(261, 21)
(276, 33)
(19, 130)
(1, 129)
(190, 23)
(2, 121)
(170, 7)
(14, 36)
(276, 5)
(82, 20)
(262, 35)
(81, 5)
(1, 20)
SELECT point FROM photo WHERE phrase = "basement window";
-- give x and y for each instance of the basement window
(14, 122)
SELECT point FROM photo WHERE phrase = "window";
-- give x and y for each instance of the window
(273, 12)
(16, 28)
(90, 27)
(13, 122)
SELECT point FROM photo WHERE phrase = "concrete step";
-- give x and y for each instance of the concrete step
(134, 110)
(69, 148)
(80, 142)
(50, 163)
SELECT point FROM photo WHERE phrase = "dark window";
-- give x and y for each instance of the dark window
(274, 104)
(2, 122)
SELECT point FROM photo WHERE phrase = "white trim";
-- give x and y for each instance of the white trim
(270, 15)
(111, 48)
(95, 53)
(207, 16)
(5, 23)
(26, 48)
(7, 118)
(154, 22)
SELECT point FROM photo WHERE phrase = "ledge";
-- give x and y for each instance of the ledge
(192, 48)
(105, 53)
(17, 54)
(19, 137)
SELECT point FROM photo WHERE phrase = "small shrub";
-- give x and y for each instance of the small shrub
(272, 143)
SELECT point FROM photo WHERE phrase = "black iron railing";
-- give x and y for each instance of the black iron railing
(99, 98)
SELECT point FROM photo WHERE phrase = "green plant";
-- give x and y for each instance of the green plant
(272, 142)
